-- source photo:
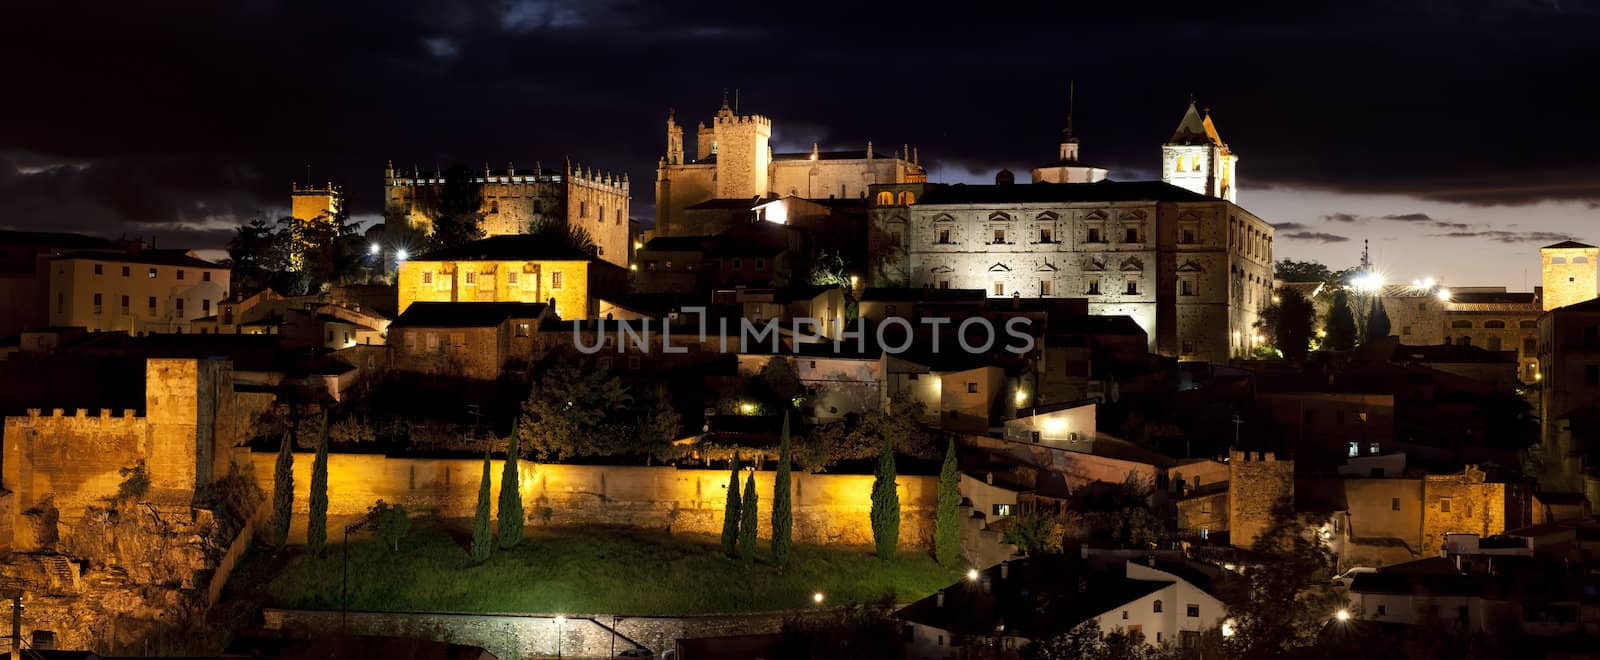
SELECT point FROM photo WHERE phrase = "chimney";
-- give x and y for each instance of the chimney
(985, 582)
(988, 477)
(938, 599)
(1005, 570)
(1083, 552)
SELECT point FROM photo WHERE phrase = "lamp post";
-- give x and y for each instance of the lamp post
(614, 620)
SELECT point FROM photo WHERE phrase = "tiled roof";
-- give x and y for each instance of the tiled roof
(465, 314)
(1100, 191)
(1566, 245)
(1038, 598)
(148, 257)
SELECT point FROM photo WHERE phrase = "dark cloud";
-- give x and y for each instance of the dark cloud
(1287, 226)
(1341, 217)
(1317, 236)
(1409, 217)
(1511, 236)
(217, 108)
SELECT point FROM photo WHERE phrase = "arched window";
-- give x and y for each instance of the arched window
(1461, 324)
(906, 198)
(1179, 167)
(1196, 166)
(1558, 260)
(1580, 260)
(1157, 608)
(1494, 324)
(885, 198)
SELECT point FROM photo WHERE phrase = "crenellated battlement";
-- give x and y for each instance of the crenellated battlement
(743, 120)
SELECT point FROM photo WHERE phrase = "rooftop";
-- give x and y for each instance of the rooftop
(509, 247)
(56, 240)
(1100, 191)
(1567, 245)
(181, 258)
(1038, 598)
(466, 314)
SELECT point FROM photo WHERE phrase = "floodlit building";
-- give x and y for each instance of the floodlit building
(512, 268)
(149, 291)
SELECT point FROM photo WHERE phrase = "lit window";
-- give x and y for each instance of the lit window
(972, 388)
(511, 277)
(999, 288)
(472, 278)
(555, 279)
(427, 277)
(152, 273)
(1094, 288)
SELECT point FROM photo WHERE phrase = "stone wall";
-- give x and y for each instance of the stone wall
(1258, 482)
(1460, 503)
(828, 508)
(511, 636)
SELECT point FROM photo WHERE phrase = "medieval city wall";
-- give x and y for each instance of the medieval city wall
(1258, 482)
(58, 463)
(828, 508)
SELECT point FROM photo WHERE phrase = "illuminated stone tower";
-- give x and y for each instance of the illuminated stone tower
(742, 145)
(1569, 273)
(308, 204)
(1197, 159)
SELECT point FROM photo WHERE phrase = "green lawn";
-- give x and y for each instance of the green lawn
(588, 570)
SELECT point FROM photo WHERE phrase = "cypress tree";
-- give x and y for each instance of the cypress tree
(782, 513)
(283, 493)
(482, 535)
(1341, 326)
(747, 519)
(1377, 321)
(885, 505)
(317, 525)
(947, 524)
(511, 518)
(730, 512)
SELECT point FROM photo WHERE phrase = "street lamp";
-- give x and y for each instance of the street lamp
(1342, 615)
(817, 598)
(972, 575)
(374, 249)
(402, 254)
(560, 621)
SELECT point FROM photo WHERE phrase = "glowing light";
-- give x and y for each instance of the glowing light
(561, 620)
(633, 267)
(1022, 397)
(1538, 376)
(637, 245)
(401, 254)
(1416, 283)
(374, 249)
(1227, 628)
(1444, 295)
(1428, 282)
(1342, 615)
(1055, 425)
(1369, 281)
(1322, 333)
(817, 598)
(854, 280)
(747, 408)
(778, 213)
(1277, 299)
(972, 574)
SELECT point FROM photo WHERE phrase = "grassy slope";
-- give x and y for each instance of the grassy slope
(595, 570)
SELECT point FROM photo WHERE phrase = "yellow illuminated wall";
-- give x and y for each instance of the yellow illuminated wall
(567, 282)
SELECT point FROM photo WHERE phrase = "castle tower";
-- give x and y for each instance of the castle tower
(1067, 168)
(742, 145)
(1197, 159)
(674, 141)
(311, 202)
(1259, 485)
(1569, 273)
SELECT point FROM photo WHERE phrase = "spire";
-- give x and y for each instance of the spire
(724, 98)
(1192, 130)
(1072, 89)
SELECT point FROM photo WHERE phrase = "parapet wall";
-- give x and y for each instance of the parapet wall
(828, 508)
(1258, 483)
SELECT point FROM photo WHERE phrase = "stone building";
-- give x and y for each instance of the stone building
(148, 291)
(1568, 270)
(471, 339)
(311, 203)
(511, 268)
(515, 200)
(1195, 158)
(1569, 400)
(1192, 271)
(735, 161)
(25, 274)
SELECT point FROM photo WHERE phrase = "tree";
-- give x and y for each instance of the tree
(829, 269)
(573, 412)
(317, 525)
(283, 492)
(1289, 270)
(1087, 641)
(947, 522)
(1341, 326)
(782, 508)
(659, 425)
(885, 512)
(135, 483)
(731, 511)
(1377, 321)
(557, 232)
(391, 522)
(482, 535)
(747, 518)
(457, 210)
(1281, 605)
(1035, 534)
(256, 253)
(1295, 317)
(511, 518)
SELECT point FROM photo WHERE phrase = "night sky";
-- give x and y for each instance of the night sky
(1457, 136)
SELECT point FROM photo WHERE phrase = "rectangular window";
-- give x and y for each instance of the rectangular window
(944, 284)
(1444, 505)
(98, 270)
(1188, 347)
(511, 277)
(1405, 331)
(124, 304)
(1004, 509)
(205, 307)
(125, 271)
(178, 306)
(1372, 448)
(999, 288)
(1094, 235)
(1044, 236)
(1130, 235)
(761, 264)
(180, 274)
(1383, 610)
(1133, 288)
(1186, 288)
(472, 278)
(411, 343)
(1394, 504)
(427, 277)
(1188, 235)
(972, 388)
(97, 303)
(1192, 610)
(1094, 288)
(1530, 346)
(152, 273)
(555, 279)
(524, 329)
(999, 236)
(944, 237)
(152, 304)
(1044, 287)
(738, 264)
(1591, 375)
(1355, 449)
(205, 276)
